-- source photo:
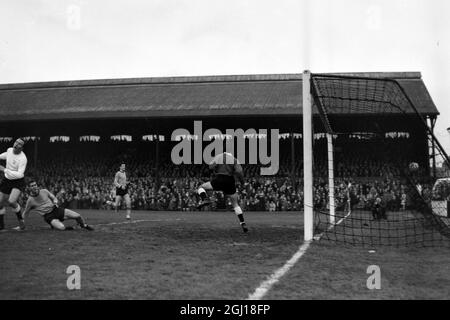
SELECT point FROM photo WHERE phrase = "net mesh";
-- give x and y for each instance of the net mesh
(384, 200)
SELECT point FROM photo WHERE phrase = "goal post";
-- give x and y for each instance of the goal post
(308, 163)
(330, 161)
(308, 200)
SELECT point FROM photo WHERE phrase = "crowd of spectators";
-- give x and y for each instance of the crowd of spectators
(257, 194)
(84, 179)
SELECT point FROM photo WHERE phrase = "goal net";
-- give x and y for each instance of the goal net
(372, 183)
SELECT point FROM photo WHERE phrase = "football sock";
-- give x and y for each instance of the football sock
(202, 193)
(239, 214)
(18, 213)
(80, 221)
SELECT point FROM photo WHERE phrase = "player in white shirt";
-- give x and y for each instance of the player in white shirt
(13, 182)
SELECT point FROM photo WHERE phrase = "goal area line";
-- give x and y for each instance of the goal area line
(265, 286)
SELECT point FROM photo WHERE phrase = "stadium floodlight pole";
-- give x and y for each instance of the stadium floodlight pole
(331, 178)
(307, 158)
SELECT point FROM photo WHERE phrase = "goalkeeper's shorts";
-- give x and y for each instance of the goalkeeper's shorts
(224, 183)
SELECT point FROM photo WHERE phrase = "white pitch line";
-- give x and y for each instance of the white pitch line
(134, 221)
(266, 285)
(332, 226)
(101, 224)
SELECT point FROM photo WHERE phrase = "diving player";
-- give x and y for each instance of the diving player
(44, 203)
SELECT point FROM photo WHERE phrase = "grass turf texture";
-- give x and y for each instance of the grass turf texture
(205, 255)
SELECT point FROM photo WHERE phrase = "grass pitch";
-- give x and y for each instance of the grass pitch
(205, 255)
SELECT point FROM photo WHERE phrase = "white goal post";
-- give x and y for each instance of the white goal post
(308, 200)
(308, 179)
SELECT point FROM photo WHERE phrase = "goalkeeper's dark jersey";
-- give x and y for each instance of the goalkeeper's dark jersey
(226, 164)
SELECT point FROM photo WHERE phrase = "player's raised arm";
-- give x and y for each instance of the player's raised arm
(20, 173)
(3, 157)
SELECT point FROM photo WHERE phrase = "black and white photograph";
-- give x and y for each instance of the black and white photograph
(224, 155)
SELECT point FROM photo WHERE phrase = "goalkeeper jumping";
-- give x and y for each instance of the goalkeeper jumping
(226, 169)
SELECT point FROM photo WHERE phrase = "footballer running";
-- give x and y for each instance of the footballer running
(225, 169)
